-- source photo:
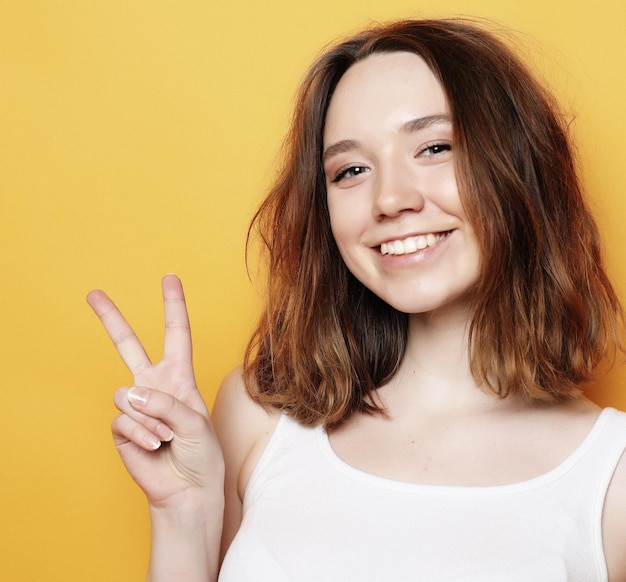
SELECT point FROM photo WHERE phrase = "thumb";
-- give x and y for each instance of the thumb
(153, 404)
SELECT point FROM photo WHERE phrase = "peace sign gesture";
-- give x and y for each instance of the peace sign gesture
(163, 432)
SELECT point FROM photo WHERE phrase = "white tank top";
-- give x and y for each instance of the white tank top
(310, 517)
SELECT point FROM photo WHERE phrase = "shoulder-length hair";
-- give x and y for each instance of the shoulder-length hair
(544, 315)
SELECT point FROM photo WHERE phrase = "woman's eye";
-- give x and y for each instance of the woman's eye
(349, 172)
(435, 149)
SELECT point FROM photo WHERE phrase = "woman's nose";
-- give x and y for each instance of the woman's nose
(396, 190)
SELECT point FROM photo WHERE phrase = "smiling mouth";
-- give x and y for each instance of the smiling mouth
(412, 244)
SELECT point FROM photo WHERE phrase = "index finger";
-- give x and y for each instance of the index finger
(121, 333)
(177, 340)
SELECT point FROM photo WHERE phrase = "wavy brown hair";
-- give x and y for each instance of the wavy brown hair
(545, 314)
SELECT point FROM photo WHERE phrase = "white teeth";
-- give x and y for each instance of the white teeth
(411, 244)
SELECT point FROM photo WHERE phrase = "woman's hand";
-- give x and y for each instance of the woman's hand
(163, 434)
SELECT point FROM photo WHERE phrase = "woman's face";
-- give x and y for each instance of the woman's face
(394, 204)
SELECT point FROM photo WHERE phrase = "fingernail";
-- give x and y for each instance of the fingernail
(152, 442)
(166, 434)
(138, 396)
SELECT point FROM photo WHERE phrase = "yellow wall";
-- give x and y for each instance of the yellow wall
(136, 138)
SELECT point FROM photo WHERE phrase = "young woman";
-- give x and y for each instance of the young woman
(411, 403)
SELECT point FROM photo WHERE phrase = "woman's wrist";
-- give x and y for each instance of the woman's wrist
(186, 537)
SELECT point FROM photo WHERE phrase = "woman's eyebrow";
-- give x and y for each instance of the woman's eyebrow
(416, 124)
(424, 122)
(344, 145)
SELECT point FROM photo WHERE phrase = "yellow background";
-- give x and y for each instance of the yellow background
(136, 138)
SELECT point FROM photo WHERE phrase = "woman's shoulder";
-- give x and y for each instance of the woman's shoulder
(233, 398)
(243, 426)
(610, 452)
(614, 513)
(243, 429)
(614, 524)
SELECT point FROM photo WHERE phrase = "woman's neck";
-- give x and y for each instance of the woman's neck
(435, 371)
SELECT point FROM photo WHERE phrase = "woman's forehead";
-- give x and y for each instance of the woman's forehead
(391, 88)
